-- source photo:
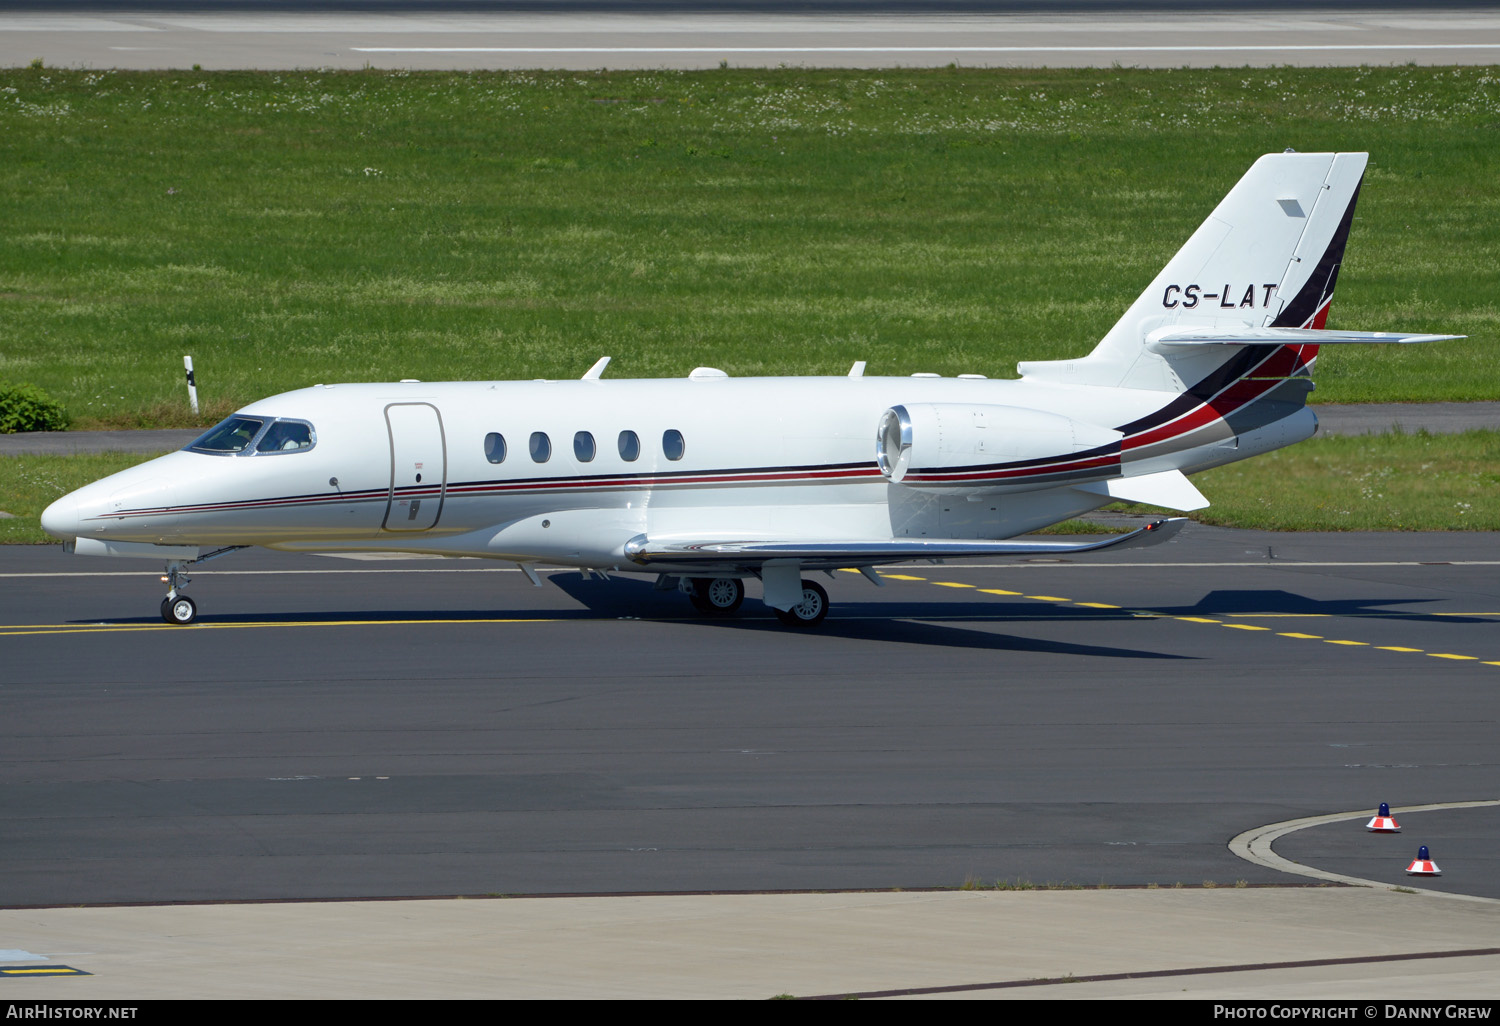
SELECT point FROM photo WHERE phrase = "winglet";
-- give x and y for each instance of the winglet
(596, 372)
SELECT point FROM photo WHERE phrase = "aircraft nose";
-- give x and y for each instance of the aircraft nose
(61, 518)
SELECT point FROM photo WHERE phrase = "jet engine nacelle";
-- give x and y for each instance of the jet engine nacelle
(944, 436)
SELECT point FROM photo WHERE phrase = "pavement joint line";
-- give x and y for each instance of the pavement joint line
(1157, 974)
(1254, 845)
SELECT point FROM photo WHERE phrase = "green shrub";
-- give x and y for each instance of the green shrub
(28, 408)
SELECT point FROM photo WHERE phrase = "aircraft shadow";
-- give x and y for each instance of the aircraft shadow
(1273, 601)
(969, 624)
(909, 623)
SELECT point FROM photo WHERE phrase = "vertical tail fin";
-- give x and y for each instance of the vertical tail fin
(1268, 256)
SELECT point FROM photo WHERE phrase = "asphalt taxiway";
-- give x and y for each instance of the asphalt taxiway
(363, 729)
(416, 35)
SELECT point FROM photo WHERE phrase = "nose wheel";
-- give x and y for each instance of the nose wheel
(179, 610)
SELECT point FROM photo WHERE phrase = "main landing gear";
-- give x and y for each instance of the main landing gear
(177, 608)
(717, 596)
(810, 611)
(721, 596)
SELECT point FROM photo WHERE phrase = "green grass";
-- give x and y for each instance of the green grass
(1391, 482)
(289, 228)
(29, 484)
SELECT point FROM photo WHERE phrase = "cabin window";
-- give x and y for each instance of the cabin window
(494, 447)
(229, 436)
(672, 444)
(541, 447)
(630, 446)
(286, 436)
(583, 447)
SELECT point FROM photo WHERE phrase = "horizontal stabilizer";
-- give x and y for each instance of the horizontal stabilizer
(1170, 489)
(1175, 338)
(814, 554)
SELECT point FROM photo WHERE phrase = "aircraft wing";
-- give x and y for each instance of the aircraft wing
(1176, 337)
(818, 554)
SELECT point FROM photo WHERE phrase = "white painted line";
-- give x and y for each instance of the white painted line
(1255, 846)
(273, 573)
(1271, 48)
(1040, 564)
(1273, 564)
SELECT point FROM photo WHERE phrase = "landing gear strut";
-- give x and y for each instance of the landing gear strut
(177, 608)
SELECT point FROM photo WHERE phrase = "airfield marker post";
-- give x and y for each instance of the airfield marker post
(187, 364)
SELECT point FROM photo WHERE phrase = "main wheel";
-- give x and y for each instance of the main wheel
(810, 611)
(179, 610)
(718, 596)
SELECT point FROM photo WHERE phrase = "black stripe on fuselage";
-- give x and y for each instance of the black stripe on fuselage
(1319, 285)
(816, 473)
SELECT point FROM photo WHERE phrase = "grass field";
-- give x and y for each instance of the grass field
(290, 228)
(1386, 482)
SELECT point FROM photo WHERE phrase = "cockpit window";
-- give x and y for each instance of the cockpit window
(229, 436)
(286, 436)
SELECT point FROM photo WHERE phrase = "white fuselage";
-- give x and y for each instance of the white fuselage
(405, 467)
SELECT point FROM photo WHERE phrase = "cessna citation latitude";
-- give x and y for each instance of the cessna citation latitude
(709, 481)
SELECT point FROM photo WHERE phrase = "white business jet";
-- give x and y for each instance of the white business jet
(709, 481)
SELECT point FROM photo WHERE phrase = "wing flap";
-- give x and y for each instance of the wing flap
(814, 554)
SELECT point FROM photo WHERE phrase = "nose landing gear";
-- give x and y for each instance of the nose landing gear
(177, 608)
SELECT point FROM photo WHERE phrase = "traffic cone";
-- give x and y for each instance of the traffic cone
(1382, 823)
(1423, 865)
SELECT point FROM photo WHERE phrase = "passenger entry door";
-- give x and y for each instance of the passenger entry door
(419, 466)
